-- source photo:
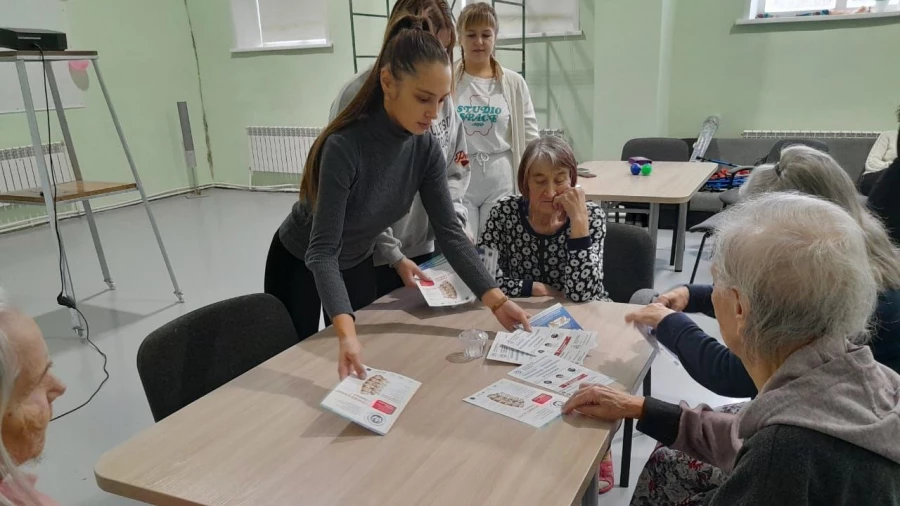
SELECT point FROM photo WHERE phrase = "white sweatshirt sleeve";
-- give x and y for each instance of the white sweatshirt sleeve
(876, 160)
(532, 131)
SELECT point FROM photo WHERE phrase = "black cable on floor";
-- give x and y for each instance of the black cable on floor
(61, 299)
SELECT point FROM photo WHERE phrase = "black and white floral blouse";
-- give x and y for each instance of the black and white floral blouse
(572, 266)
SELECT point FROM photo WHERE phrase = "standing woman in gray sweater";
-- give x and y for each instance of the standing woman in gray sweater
(409, 241)
(362, 175)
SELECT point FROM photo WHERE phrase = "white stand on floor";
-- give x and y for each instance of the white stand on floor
(78, 190)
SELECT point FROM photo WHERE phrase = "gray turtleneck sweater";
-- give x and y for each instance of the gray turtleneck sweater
(370, 173)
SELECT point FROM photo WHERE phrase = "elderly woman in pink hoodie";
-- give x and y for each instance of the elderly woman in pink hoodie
(793, 295)
(27, 392)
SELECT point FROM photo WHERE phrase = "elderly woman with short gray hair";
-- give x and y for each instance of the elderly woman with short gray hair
(27, 392)
(550, 238)
(824, 427)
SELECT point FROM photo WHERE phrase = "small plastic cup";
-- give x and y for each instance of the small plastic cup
(474, 341)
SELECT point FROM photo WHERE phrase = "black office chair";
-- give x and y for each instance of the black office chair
(193, 355)
(628, 263)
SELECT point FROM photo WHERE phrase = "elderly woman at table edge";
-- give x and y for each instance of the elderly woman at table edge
(794, 321)
(549, 239)
(711, 364)
(27, 392)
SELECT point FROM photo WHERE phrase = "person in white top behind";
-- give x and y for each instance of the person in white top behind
(882, 155)
(496, 111)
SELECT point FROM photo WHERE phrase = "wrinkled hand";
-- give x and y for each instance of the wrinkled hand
(649, 315)
(675, 299)
(510, 314)
(350, 357)
(604, 403)
(409, 271)
(539, 289)
(572, 201)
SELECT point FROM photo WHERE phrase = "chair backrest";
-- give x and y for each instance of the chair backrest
(628, 261)
(194, 354)
(659, 149)
(775, 153)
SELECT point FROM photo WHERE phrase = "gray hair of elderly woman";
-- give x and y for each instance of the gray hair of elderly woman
(810, 171)
(9, 372)
(552, 149)
(795, 261)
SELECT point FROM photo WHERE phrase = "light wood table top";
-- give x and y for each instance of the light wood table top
(263, 439)
(669, 183)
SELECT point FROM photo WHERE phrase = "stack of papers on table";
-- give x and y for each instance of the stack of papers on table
(555, 316)
(375, 402)
(558, 375)
(445, 287)
(555, 332)
(522, 347)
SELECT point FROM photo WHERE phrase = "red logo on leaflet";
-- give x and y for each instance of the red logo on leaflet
(562, 347)
(426, 283)
(573, 381)
(542, 399)
(384, 407)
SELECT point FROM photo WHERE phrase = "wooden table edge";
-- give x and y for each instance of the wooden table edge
(136, 494)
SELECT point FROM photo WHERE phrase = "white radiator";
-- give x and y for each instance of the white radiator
(19, 168)
(808, 134)
(280, 150)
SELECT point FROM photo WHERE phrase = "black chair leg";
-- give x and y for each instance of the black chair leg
(675, 233)
(625, 470)
(699, 254)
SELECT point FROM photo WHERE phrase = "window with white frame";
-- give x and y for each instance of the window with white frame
(788, 7)
(279, 24)
(543, 18)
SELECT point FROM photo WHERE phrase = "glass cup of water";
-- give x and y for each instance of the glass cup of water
(474, 341)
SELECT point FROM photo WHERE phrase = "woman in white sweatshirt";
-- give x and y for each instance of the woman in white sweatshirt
(410, 241)
(496, 111)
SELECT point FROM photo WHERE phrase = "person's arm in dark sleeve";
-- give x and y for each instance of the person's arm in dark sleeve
(448, 231)
(700, 300)
(660, 420)
(701, 432)
(708, 361)
(339, 163)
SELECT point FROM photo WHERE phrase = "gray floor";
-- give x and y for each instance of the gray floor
(218, 246)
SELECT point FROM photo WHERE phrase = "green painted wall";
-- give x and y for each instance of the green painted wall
(631, 72)
(654, 67)
(296, 88)
(148, 63)
(839, 75)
